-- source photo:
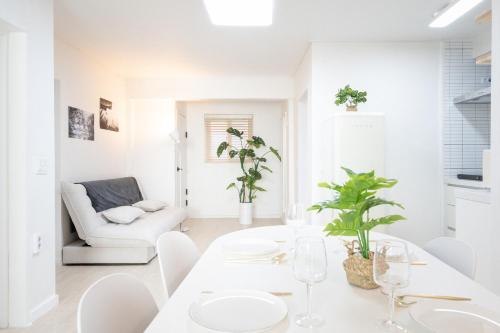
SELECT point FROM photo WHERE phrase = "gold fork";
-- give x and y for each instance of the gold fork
(401, 301)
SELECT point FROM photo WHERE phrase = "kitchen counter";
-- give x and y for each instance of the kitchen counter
(466, 183)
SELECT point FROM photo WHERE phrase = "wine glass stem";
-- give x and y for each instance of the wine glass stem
(309, 296)
(391, 305)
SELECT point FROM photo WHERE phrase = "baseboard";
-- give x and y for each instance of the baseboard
(44, 307)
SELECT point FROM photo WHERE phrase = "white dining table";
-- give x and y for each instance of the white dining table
(345, 308)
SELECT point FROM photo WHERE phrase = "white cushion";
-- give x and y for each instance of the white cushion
(150, 205)
(143, 232)
(80, 209)
(123, 214)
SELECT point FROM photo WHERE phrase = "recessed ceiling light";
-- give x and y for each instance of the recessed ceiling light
(452, 12)
(240, 12)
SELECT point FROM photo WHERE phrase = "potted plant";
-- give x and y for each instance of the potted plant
(350, 97)
(353, 201)
(251, 164)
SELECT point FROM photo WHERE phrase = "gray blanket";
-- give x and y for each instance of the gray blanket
(111, 193)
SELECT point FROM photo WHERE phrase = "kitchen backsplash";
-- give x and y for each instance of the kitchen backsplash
(466, 127)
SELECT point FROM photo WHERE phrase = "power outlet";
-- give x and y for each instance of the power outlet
(41, 165)
(37, 244)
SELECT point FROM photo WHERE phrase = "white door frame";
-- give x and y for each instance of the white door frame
(4, 245)
(180, 155)
(14, 303)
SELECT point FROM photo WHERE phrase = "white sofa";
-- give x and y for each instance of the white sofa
(103, 242)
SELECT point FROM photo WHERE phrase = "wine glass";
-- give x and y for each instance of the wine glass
(391, 271)
(295, 218)
(309, 266)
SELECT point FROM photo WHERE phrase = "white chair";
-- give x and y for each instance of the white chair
(117, 303)
(177, 254)
(455, 253)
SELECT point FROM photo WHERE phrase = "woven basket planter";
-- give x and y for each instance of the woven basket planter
(359, 271)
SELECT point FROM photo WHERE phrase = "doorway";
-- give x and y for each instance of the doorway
(181, 191)
(208, 177)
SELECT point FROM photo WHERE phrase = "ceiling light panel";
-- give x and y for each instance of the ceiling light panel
(453, 12)
(240, 12)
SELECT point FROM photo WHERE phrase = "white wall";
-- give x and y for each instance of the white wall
(495, 142)
(32, 277)
(151, 151)
(197, 88)
(81, 83)
(402, 80)
(4, 217)
(207, 182)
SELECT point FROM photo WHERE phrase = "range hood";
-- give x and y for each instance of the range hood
(481, 96)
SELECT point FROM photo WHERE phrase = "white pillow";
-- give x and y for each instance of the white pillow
(150, 205)
(123, 214)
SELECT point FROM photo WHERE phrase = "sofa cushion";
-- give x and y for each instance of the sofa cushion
(123, 214)
(80, 209)
(111, 193)
(150, 205)
(143, 232)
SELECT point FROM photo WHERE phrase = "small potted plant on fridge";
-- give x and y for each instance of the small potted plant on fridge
(353, 202)
(252, 155)
(350, 97)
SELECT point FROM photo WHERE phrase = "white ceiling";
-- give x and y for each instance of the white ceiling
(155, 38)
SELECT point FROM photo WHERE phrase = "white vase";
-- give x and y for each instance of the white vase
(246, 213)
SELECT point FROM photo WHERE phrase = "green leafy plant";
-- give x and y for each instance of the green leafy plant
(351, 97)
(353, 201)
(252, 172)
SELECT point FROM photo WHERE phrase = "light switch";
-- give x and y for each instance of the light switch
(37, 244)
(41, 165)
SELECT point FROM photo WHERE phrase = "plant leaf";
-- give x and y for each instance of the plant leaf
(235, 132)
(232, 153)
(223, 146)
(275, 152)
(256, 141)
(266, 168)
(390, 219)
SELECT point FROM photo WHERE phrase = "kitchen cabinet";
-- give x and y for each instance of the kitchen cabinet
(473, 226)
(452, 185)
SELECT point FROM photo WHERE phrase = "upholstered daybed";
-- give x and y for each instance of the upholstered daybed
(104, 242)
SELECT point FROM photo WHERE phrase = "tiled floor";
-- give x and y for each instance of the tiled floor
(72, 281)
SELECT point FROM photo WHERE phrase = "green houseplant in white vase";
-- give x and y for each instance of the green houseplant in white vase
(252, 155)
(353, 202)
(350, 97)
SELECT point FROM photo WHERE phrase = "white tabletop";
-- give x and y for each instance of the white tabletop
(344, 307)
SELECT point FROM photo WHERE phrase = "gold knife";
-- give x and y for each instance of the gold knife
(449, 298)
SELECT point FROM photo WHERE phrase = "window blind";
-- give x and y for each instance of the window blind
(215, 133)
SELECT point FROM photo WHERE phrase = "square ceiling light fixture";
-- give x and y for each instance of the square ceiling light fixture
(452, 12)
(240, 12)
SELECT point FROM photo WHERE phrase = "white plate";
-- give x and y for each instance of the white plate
(251, 247)
(238, 311)
(455, 317)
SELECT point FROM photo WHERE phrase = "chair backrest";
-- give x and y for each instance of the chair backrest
(117, 303)
(177, 254)
(455, 253)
